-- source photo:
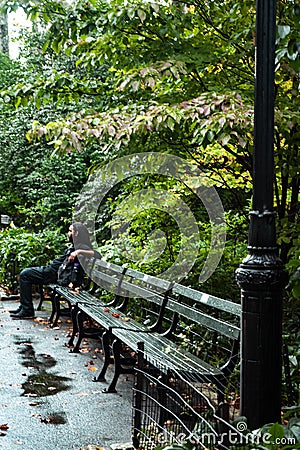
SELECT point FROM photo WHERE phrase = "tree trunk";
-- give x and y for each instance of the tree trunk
(4, 34)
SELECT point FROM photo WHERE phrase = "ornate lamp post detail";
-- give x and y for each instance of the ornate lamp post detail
(261, 275)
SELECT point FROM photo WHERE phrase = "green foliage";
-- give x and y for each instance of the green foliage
(108, 79)
(23, 248)
(9, 71)
(37, 190)
(150, 73)
(288, 36)
(273, 436)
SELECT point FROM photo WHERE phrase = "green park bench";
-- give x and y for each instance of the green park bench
(177, 325)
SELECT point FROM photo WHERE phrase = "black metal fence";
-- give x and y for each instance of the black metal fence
(172, 408)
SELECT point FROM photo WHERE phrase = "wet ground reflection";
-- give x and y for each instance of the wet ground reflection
(54, 419)
(44, 384)
(40, 383)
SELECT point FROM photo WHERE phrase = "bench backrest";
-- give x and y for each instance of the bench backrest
(219, 315)
(168, 306)
(206, 325)
(125, 284)
(197, 321)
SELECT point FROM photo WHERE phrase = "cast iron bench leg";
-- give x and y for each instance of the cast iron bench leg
(107, 356)
(53, 303)
(79, 326)
(56, 314)
(117, 365)
(42, 298)
(74, 312)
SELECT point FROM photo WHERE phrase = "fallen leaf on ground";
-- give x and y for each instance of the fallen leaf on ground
(93, 447)
(47, 419)
(92, 368)
(4, 426)
(39, 319)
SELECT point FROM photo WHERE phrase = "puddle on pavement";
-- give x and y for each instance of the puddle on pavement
(56, 419)
(41, 383)
(38, 362)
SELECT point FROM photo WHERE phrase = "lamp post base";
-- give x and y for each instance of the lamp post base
(261, 277)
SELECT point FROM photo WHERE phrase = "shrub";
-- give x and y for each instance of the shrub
(21, 248)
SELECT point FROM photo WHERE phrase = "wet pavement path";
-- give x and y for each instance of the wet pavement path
(48, 400)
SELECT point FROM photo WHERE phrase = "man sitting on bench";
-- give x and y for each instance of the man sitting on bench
(49, 274)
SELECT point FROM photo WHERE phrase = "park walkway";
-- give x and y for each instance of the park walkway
(47, 398)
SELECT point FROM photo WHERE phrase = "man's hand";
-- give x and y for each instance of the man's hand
(73, 255)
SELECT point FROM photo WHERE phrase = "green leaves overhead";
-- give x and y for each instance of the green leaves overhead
(288, 38)
(170, 50)
(161, 75)
(220, 118)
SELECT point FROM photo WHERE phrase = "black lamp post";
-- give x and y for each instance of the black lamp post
(261, 275)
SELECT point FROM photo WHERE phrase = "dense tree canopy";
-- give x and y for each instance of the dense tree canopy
(105, 79)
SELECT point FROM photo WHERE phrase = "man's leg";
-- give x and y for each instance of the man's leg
(28, 277)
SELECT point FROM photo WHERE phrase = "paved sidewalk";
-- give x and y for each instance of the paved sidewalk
(47, 398)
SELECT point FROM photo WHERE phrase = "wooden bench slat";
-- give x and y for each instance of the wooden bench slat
(225, 328)
(207, 299)
(161, 352)
(142, 292)
(159, 283)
